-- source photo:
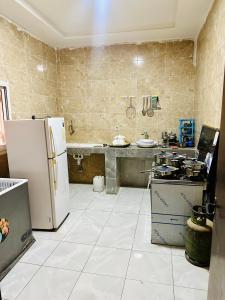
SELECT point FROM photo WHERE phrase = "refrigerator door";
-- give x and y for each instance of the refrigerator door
(27, 157)
(55, 135)
(59, 188)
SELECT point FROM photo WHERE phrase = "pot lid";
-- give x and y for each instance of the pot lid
(162, 154)
(177, 156)
(193, 162)
(165, 169)
(173, 155)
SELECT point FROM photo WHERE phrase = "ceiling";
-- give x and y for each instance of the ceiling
(78, 23)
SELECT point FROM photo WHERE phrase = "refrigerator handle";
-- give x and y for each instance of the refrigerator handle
(54, 163)
(52, 142)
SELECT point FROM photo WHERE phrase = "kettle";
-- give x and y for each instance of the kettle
(119, 140)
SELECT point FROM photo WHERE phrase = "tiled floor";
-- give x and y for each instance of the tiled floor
(103, 252)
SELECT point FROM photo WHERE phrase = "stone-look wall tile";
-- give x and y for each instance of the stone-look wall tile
(87, 85)
(93, 81)
(31, 90)
(210, 68)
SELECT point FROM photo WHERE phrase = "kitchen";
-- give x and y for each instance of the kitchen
(102, 75)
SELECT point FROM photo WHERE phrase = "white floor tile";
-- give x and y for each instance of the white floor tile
(98, 218)
(110, 221)
(80, 201)
(127, 206)
(142, 240)
(50, 284)
(146, 203)
(131, 193)
(139, 290)
(123, 220)
(17, 279)
(187, 275)
(189, 294)
(98, 287)
(77, 187)
(60, 234)
(178, 251)
(108, 261)
(69, 256)
(84, 233)
(39, 252)
(104, 204)
(150, 267)
(117, 237)
(144, 222)
(103, 195)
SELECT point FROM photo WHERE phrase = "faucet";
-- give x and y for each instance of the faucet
(70, 128)
(145, 134)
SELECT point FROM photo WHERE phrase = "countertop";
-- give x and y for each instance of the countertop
(131, 151)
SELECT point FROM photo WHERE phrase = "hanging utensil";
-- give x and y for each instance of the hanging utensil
(155, 103)
(150, 111)
(131, 111)
(144, 103)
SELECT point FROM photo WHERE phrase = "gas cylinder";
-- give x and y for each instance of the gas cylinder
(198, 237)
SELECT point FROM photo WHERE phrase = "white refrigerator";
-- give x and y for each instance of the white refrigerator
(36, 151)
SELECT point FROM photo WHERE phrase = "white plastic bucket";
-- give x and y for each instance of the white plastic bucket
(98, 183)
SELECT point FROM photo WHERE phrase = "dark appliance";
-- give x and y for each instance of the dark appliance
(208, 151)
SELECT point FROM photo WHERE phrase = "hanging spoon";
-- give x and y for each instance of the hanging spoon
(150, 111)
(143, 109)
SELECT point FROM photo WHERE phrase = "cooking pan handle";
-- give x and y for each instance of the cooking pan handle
(147, 171)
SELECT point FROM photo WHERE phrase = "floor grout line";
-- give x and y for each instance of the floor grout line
(172, 275)
(89, 256)
(40, 266)
(28, 282)
(131, 251)
(110, 213)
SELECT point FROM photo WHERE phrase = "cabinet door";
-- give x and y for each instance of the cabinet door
(175, 199)
(168, 234)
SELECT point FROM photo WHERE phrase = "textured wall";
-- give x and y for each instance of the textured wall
(210, 67)
(31, 91)
(92, 81)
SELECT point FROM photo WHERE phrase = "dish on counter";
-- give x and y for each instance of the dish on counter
(120, 146)
(146, 143)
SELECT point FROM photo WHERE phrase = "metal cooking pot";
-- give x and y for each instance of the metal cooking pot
(194, 164)
(191, 173)
(160, 158)
(165, 170)
(193, 167)
(176, 160)
(172, 159)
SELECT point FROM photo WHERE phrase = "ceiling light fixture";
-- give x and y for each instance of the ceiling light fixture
(138, 60)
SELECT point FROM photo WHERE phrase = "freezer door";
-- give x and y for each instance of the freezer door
(59, 188)
(55, 135)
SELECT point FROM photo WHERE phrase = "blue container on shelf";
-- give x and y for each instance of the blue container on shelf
(187, 132)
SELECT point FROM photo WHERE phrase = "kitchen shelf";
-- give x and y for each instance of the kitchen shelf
(187, 132)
